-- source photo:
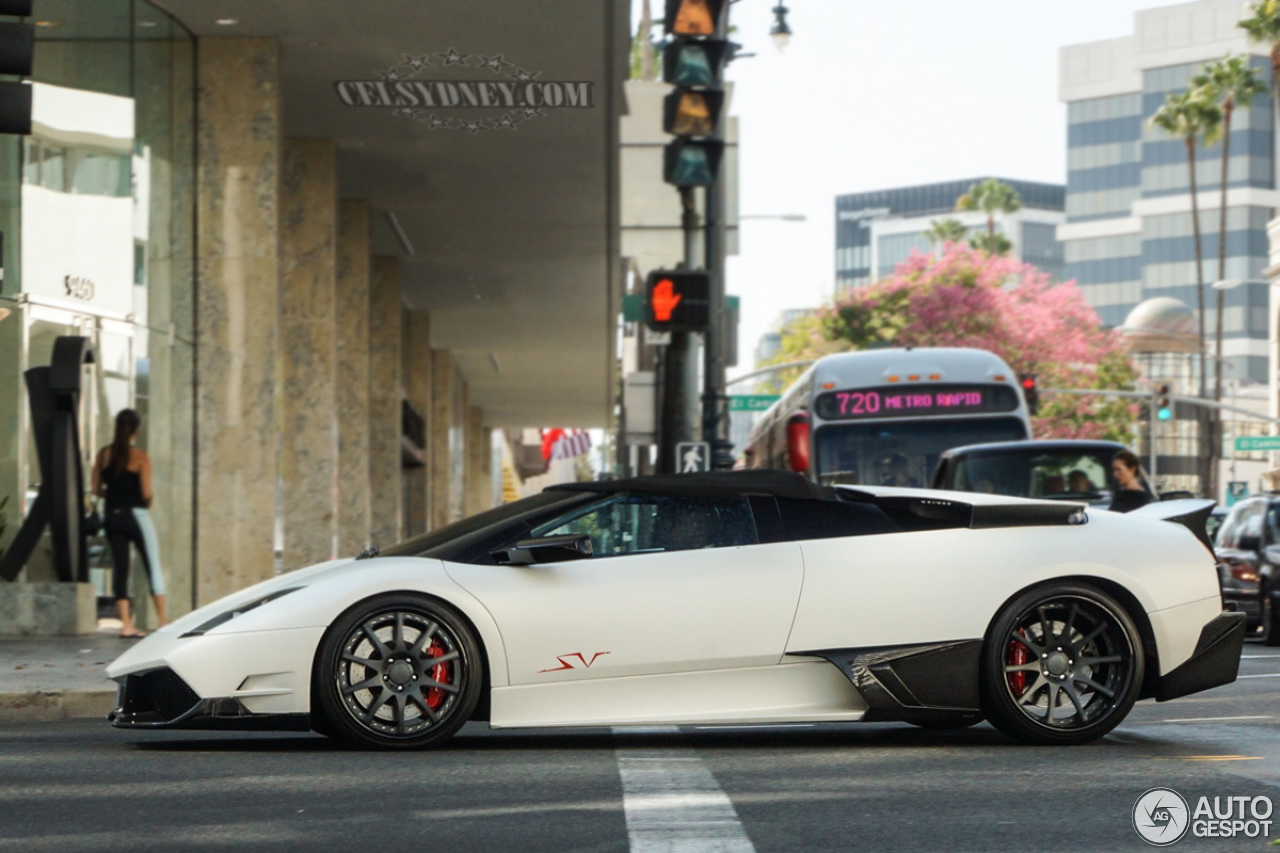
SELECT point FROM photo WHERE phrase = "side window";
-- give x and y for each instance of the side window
(1229, 535)
(1273, 524)
(825, 519)
(1253, 520)
(641, 524)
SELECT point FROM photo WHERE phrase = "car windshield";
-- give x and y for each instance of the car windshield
(1040, 473)
(423, 545)
(900, 453)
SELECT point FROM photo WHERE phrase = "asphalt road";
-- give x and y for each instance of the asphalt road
(81, 785)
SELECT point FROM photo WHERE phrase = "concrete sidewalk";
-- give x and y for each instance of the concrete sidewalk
(56, 678)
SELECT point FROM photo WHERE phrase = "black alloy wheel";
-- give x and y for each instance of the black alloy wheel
(1063, 664)
(397, 672)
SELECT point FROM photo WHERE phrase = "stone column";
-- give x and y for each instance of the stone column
(353, 376)
(307, 399)
(418, 388)
(441, 432)
(238, 272)
(475, 482)
(387, 525)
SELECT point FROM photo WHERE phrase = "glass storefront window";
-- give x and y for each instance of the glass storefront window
(97, 208)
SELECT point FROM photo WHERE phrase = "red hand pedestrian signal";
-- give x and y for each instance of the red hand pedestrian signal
(664, 300)
(677, 300)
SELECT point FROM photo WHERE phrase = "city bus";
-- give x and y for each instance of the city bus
(883, 417)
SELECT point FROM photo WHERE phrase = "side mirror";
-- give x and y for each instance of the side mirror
(1249, 542)
(548, 549)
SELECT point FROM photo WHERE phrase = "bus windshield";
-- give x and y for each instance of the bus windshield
(900, 453)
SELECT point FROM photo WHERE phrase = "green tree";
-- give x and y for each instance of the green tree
(1232, 83)
(1193, 117)
(991, 197)
(992, 244)
(944, 231)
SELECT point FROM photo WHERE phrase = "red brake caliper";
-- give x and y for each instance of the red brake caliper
(440, 673)
(1018, 655)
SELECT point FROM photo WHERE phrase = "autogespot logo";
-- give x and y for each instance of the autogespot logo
(1160, 816)
(492, 94)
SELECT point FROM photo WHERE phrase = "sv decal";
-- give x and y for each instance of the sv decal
(566, 662)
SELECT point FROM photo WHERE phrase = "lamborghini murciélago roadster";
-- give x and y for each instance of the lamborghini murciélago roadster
(741, 597)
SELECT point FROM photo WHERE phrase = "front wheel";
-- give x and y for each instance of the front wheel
(1063, 664)
(398, 672)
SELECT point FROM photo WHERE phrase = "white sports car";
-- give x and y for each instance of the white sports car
(742, 597)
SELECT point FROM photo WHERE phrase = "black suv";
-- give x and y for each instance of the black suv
(1248, 552)
(1056, 469)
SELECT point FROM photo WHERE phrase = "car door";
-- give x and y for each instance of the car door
(1238, 551)
(676, 584)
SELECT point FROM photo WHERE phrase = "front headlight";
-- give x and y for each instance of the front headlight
(228, 615)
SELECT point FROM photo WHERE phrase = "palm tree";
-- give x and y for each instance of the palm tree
(992, 244)
(943, 231)
(1232, 83)
(991, 197)
(1191, 117)
(1264, 28)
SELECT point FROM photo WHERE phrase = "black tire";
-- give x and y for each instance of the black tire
(400, 671)
(1268, 617)
(1087, 675)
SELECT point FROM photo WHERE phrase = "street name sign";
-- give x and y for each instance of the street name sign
(1258, 442)
(752, 402)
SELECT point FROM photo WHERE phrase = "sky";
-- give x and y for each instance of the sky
(876, 94)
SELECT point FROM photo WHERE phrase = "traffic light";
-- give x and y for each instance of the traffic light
(1031, 391)
(692, 17)
(17, 52)
(693, 62)
(1164, 401)
(678, 301)
(692, 163)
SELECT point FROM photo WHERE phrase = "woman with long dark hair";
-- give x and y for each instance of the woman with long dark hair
(122, 475)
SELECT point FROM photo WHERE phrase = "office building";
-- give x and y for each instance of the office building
(1128, 232)
(876, 231)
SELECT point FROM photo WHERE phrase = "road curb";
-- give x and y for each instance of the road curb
(44, 706)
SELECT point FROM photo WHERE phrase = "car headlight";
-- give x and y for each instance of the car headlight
(239, 609)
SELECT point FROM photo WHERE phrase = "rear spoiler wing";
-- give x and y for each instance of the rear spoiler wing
(1191, 514)
(938, 512)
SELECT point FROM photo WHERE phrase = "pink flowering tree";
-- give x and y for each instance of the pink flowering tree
(969, 298)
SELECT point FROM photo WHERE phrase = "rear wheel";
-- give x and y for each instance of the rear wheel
(1063, 664)
(397, 672)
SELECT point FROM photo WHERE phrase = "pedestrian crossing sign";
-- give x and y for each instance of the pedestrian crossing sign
(693, 457)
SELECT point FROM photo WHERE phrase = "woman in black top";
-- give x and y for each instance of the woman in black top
(1130, 495)
(122, 474)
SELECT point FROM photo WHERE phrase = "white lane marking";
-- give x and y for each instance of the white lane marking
(1212, 719)
(1258, 657)
(1263, 675)
(673, 803)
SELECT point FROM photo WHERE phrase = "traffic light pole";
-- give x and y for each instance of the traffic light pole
(679, 369)
(714, 402)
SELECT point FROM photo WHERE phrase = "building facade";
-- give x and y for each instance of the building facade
(876, 231)
(321, 307)
(1128, 232)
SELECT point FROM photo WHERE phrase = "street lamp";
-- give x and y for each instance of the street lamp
(780, 31)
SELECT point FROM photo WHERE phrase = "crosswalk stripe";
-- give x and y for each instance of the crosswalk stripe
(673, 803)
